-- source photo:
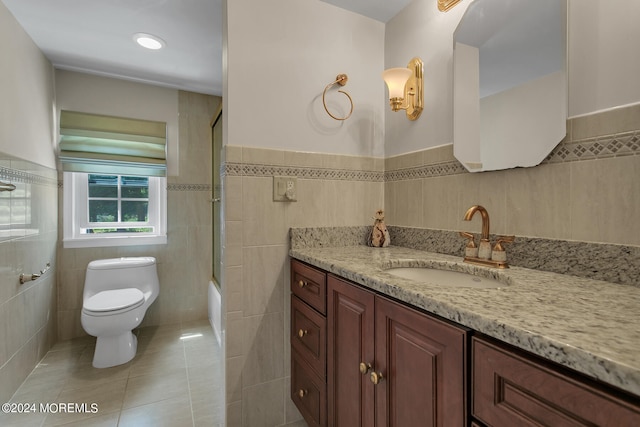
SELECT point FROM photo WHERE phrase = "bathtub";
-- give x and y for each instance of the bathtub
(215, 310)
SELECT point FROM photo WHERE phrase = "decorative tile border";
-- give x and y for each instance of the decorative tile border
(189, 187)
(427, 171)
(250, 169)
(618, 145)
(624, 144)
(21, 176)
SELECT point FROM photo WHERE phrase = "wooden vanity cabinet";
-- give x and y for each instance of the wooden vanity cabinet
(359, 359)
(308, 339)
(391, 365)
(511, 388)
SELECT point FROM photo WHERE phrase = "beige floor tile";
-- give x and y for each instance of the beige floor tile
(203, 355)
(169, 341)
(75, 343)
(103, 420)
(22, 420)
(207, 409)
(170, 382)
(167, 413)
(158, 363)
(153, 388)
(86, 358)
(63, 357)
(202, 325)
(211, 421)
(159, 330)
(201, 378)
(87, 375)
(40, 390)
(106, 395)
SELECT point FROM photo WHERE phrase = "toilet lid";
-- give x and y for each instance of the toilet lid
(114, 299)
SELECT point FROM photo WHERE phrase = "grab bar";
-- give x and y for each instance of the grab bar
(29, 277)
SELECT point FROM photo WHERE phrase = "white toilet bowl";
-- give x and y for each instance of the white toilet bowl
(117, 293)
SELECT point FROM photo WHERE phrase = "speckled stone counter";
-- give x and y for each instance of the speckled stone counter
(587, 325)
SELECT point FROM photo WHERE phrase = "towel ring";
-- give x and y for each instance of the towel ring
(341, 79)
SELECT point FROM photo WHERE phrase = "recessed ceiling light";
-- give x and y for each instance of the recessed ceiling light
(149, 41)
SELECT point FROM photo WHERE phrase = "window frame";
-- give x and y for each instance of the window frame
(76, 216)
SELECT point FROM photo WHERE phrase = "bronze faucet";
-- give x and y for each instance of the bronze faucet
(485, 255)
(485, 219)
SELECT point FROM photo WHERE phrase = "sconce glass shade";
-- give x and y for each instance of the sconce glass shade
(406, 88)
(396, 79)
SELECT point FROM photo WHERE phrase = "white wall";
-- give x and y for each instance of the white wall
(276, 75)
(603, 63)
(102, 95)
(27, 125)
(604, 54)
(422, 30)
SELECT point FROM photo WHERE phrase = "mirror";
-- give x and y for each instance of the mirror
(510, 83)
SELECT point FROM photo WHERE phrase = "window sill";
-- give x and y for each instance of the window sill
(102, 242)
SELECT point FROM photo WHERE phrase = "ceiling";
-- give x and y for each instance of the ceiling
(96, 36)
(380, 10)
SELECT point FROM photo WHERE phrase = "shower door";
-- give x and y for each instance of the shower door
(216, 187)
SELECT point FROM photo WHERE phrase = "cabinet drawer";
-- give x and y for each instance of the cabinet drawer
(310, 285)
(308, 392)
(511, 389)
(309, 335)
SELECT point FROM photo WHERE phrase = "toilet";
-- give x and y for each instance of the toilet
(117, 293)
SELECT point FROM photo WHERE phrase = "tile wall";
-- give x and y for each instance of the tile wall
(184, 263)
(28, 235)
(587, 189)
(333, 190)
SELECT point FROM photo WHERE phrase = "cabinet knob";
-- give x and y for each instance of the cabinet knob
(302, 393)
(302, 283)
(376, 377)
(364, 367)
(302, 333)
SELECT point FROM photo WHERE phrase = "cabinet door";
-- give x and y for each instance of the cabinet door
(350, 321)
(422, 364)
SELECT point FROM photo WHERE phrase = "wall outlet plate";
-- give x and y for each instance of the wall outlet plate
(285, 189)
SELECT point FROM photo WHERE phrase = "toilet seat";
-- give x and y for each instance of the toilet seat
(114, 301)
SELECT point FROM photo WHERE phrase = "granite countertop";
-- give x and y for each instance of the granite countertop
(587, 325)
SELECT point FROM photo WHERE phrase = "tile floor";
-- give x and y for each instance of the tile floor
(174, 381)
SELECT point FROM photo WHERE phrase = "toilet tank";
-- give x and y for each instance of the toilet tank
(120, 273)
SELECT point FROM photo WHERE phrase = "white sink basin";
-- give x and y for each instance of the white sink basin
(454, 279)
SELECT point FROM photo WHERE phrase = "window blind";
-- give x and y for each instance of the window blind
(112, 145)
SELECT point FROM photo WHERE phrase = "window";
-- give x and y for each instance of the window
(115, 190)
(113, 210)
(117, 204)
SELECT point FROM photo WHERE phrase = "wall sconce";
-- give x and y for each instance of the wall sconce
(445, 5)
(406, 88)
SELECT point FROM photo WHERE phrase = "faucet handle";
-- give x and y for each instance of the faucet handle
(472, 243)
(503, 239)
(471, 250)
